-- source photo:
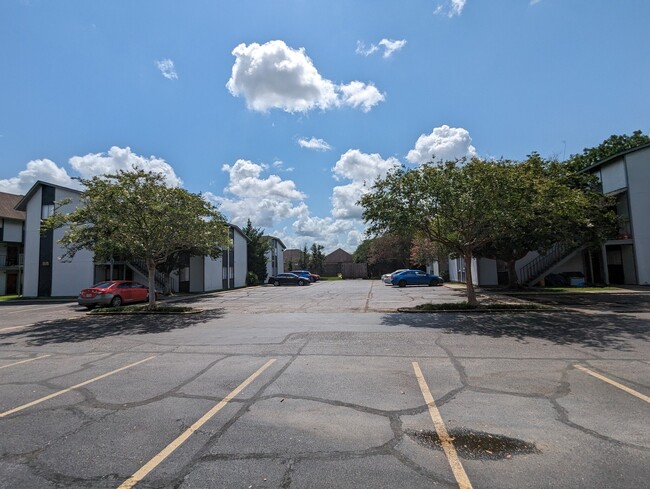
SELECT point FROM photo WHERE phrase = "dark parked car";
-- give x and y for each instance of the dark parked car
(416, 277)
(288, 279)
(307, 274)
(113, 293)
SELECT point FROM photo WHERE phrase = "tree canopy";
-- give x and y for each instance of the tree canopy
(497, 209)
(609, 147)
(258, 246)
(134, 215)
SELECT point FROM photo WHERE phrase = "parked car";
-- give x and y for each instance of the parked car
(288, 279)
(113, 293)
(307, 274)
(416, 277)
(387, 277)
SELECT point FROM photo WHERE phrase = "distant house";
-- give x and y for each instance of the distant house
(47, 275)
(274, 256)
(622, 259)
(336, 261)
(12, 223)
(291, 259)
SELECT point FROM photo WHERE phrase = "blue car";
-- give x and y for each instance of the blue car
(415, 277)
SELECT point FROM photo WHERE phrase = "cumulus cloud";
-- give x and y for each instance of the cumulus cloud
(275, 76)
(357, 94)
(363, 169)
(358, 166)
(450, 8)
(44, 170)
(117, 158)
(389, 47)
(262, 200)
(166, 67)
(313, 143)
(442, 144)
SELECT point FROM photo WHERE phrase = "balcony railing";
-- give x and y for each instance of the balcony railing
(11, 261)
(624, 229)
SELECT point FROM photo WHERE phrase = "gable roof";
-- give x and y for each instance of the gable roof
(8, 203)
(22, 205)
(268, 237)
(615, 156)
(338, 256)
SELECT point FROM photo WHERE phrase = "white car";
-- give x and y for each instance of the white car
(387, 277)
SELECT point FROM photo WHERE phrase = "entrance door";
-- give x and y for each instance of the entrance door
(12, 283)
(615, 265)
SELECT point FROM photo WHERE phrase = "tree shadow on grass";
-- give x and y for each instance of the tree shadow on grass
(601, 332)
(97, 326)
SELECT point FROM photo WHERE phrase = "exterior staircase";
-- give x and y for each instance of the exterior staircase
(140, 267)
(540, 267)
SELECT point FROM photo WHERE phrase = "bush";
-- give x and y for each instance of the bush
(252, 279)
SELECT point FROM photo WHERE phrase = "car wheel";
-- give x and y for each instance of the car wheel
(116, 301)
(401, 283)
(276, 283)
(300, 282)
(433, 282)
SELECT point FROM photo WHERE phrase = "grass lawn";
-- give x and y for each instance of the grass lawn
(8, 297)
(578, 289)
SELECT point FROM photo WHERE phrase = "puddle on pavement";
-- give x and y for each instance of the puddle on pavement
(476, 445)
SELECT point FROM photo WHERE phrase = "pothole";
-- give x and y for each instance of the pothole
(476, 445)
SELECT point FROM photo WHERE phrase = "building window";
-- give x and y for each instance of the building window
(47, 210)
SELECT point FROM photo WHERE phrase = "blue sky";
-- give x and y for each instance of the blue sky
(279, 111)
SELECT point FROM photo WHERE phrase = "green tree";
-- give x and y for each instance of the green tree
(360, 255)
(303, 261)
(541, 205)
(609, 147)
(258, 246)
(452, 203)
(133, 214)
(317, 258)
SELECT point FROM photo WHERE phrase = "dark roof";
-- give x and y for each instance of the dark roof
(616, 156)
(338, 256)
(8, 203)
(277, 239)
(22, 205)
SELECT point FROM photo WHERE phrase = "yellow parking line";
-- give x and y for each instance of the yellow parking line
(445, 440)
(58, 393)
(614, 383)
(24, 361)
(15, 327)
(169, 449)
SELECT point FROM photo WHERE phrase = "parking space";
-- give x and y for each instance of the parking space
(268, 392)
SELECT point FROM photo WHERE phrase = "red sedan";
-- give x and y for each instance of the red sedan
(113, 293)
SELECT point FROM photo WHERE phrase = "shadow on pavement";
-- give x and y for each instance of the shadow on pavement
(601, 332)
(96, 327)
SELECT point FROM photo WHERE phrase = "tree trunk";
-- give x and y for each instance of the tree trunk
(471, 294)
(513, 279)
(151, 265)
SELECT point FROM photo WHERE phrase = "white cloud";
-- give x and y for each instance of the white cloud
(44, 170)
(358, 94)
(313, 143)
(363, 169)
(450, 8)
(443, 143)
(358, 166)
(534, 2)
(117, 158)
(389, 45)
(275, 76)
(166, 67)
(262, 200)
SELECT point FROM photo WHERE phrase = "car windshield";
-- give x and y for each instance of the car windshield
(103, 285)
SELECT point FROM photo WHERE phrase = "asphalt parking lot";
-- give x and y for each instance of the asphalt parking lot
(323, 386)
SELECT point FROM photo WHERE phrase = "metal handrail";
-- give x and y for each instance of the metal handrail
(544, 262)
